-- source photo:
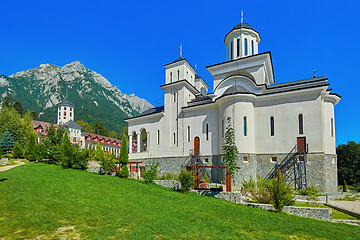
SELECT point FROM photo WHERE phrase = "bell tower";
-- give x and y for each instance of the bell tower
(66, 112)
(241, 41)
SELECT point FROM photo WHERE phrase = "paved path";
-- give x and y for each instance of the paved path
(353, 206)
(18, 163)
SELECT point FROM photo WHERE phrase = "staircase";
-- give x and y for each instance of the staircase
(293, 167)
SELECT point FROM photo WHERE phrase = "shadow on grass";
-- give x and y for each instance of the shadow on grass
(3, 179)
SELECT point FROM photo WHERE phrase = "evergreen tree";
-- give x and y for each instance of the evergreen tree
(10, 120)
(7, 142)
(86, 126)
(112, 134)
(18, 151)
(40, 151)
(18, 107)
(33, 115)
(99, 154)
(68, 151)
(230, 150)
(6, 101)
(124, 158)
(30, 151)
(27, 124)
(101, 129)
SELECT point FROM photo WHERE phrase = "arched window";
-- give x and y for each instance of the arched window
(207, 132)
(246, 46)
(252, 47)
(158, 137)
(170, 76)
(174, 97)
(231, 50)
(178, 72)
(301, 124)
(272, 126)
(245, 126)
(238, 47)
(174, 138)
(188, 133)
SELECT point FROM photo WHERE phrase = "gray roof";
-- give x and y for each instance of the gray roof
(65, 102)
(298, 82)
(241, 26)
(235, 89)
(152, 110)
(73, 124)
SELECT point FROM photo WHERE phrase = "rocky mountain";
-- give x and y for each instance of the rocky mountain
(41, 88)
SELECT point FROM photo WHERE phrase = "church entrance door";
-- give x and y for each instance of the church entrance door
(301, 144)
(196, 146)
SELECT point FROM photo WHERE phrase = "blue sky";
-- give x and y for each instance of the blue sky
(128, 42)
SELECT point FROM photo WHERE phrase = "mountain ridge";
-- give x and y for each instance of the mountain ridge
(95, 98)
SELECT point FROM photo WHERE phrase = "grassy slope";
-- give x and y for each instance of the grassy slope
(38, 199)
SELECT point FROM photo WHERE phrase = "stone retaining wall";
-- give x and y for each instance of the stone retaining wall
(4, 161)
(174, 184)
(318, 198)
(316, 213)
(94, 166)
(235, 197)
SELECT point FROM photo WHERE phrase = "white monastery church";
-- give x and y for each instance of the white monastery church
(287, 126)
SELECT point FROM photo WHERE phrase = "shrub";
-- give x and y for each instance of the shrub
(150, 174)
(281, 192)
(206, 178)
(124, 172)
(30, 151)
(345, 188)
(80, 160)
(18, 151)
(124, 158)
(309, 191)
(40, 151)
(257, 190)
(186, 179)
(108, 163)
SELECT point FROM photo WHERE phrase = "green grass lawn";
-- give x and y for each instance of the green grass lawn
(39, 200)
(335, 213)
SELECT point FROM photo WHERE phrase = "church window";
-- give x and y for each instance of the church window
(64, 117)
(174, 138)
(170, 76)
(238, 47)
(70, 109)
(273, 159)
(188, 133)
(178, 72)
(222, 128)
(206, 160)
(245, 126)
(207, 132)
(70, 114)
(301, 124)
(64, 108)
(245, 46)
(272, 132)
(332, 127)
(158, 137)
(252, 47)
(64, 113)
(231, 50)
(245, 159)
(174, 95)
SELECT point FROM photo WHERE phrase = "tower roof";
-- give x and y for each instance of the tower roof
(65, 102)
(241, 26)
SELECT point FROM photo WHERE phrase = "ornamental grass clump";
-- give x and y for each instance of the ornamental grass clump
(281, 192)
(257, 190)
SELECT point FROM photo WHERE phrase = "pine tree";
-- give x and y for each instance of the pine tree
(230, 150)
(6, 102)
(18, 107)
(18, 151)
(67, 150)
(30, 151)
(124, 158)
(7, 142)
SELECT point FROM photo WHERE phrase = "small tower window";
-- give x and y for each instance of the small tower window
(158, 137)
(174, 138)
(231, 50)
(301, 124)
(222, 128)
(272, 125)
(207, 132)
(188, 133)
(238, 47)
(332, 127)
(174, 97)
(64, 108)
(70, 114)
(252, 47)
(178, 72)
(246, 46)
(64, 113)
(170, 76)
(245, 126)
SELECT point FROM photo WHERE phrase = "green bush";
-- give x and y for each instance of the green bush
(151, 172)
(30, 150)
(345, 188)
(281, 192)
(108, 163)
(80, 159)
(309, 191)
(124, 172)
(186, 179)
(40, 151)
(18, 151)
(257, 190)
